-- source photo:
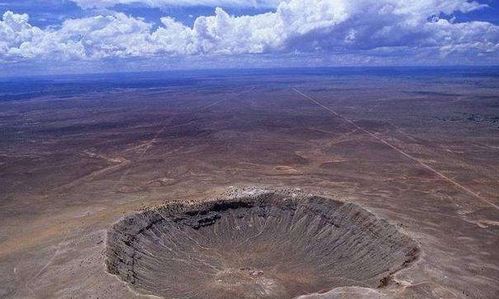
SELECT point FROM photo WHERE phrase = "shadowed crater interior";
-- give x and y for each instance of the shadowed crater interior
(255, 245)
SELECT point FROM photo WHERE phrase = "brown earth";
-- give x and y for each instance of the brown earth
(422, 154)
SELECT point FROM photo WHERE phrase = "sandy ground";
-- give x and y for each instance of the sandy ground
(422, 154)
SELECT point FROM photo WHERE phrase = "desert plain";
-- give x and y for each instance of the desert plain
(418, 148)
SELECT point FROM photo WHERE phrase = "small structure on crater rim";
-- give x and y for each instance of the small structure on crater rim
(259, 244)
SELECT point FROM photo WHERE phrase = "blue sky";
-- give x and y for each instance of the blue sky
(77, 36)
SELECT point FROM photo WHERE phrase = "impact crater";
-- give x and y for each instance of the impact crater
(259, 244)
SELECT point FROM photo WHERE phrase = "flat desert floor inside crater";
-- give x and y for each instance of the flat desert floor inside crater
(417, 150)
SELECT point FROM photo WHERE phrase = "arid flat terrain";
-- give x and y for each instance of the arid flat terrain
(419, 148)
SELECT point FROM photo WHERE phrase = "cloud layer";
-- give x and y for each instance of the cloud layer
(382, 27)
(164, 3)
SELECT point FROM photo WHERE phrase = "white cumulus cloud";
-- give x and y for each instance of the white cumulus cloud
(324, 26)
(164, 3)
